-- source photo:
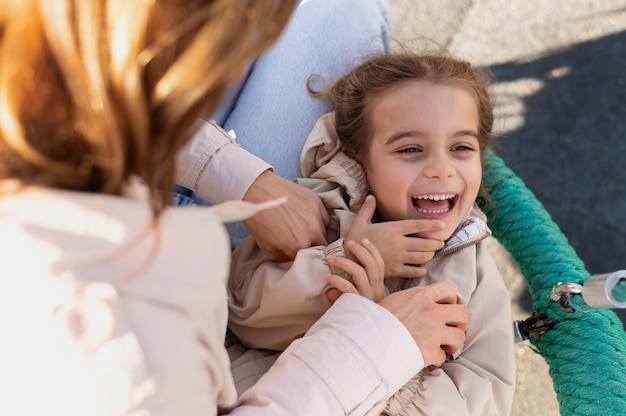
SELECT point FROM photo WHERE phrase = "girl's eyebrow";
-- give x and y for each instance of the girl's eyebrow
(402, 134)
(473, 133)
(418, 133)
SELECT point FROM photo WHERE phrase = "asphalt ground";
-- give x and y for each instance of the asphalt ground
(560, 88)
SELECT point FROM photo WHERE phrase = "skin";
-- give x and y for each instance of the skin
(404, 255)
(301, 222)
(423, 163)
(425, 150)
(430, 313)
(298, 223)
(433, 317)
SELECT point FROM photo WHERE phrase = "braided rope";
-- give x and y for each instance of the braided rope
(586, 349)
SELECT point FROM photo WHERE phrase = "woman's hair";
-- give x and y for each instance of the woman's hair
(93, 92)
(352, 95)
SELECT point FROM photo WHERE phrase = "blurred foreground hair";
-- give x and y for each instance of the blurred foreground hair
(94, 92)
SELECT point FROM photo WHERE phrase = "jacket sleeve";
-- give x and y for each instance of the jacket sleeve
(215, 167)
(272, 303)
(345, 364)
(481, 381)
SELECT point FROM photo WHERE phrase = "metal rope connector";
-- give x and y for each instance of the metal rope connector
(561, 293)
(598, 291)
(537, 324)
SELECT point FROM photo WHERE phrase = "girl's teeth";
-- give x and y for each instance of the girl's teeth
(435, 197)
(433, 211)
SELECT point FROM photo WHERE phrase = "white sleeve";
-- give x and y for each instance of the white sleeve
(215, 167)
(349, 362)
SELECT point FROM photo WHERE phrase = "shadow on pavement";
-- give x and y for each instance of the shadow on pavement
(571, 148)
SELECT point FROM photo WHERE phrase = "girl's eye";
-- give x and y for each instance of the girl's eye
(462, 148)
(409, 150)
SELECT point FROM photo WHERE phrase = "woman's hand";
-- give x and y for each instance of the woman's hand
(404, 253)
(433, 317)
(298, 223)
(367, 277)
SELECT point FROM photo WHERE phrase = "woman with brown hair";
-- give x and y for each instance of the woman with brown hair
(114, 303)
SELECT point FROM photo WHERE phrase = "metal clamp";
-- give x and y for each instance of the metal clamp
(538, 324)
(597, 291)
(561, 293)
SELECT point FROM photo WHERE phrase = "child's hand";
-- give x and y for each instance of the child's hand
(403, 252)
(367, 277)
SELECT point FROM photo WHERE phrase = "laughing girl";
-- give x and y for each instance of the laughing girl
(405, 141)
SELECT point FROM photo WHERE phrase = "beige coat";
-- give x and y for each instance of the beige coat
(105, 313)
(273, 303)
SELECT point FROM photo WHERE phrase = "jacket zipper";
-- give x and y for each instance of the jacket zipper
(472, 241)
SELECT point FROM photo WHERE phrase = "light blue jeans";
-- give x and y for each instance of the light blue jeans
(270, 109)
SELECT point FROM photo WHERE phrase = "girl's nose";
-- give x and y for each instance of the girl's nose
(439, 166)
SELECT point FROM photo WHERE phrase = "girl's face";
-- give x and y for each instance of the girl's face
(424, 158)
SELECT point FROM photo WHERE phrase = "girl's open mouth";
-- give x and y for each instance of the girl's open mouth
(434, 203)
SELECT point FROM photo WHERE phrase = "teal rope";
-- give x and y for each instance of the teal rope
(619, 291)
(586, 349)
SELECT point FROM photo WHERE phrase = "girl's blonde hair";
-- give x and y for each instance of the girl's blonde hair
(93, 92)
(352, 95)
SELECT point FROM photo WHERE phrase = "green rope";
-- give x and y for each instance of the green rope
(619, 291)
(586, 349)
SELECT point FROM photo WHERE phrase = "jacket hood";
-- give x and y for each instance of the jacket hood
(322, 159)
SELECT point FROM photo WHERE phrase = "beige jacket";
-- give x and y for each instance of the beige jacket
(105, 313)
(274, 303)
